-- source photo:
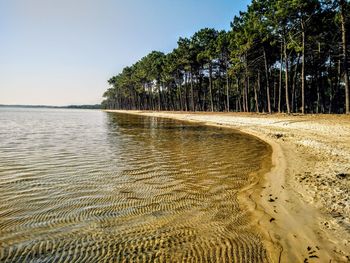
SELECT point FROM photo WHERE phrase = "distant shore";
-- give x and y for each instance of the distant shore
(302, 204)
(88, 106)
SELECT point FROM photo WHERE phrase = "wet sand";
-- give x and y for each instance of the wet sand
(302, 204)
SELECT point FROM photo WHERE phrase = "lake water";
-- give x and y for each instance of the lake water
(90, 186)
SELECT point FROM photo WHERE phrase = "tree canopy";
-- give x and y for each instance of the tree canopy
(279, 56)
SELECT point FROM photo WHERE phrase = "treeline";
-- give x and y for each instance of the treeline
(87, 107)
(94, 106)
(279, 56)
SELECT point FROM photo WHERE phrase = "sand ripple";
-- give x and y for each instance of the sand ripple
(80, 186)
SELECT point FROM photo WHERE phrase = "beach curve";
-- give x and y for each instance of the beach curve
(295, 222)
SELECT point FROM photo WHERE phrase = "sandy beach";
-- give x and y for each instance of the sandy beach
(302, 204)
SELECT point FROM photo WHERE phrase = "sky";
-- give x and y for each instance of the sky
(62, 52)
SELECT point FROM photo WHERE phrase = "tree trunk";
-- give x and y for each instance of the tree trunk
(227, 92)
(186, 93)
(243, 96)
(343, 5)
(280, 82)
(192, 95)
(203, 93)
(267, 82)
(286, 76)
(239, 108)
(330, 83)
(151, 98)
(159, 98)
(274, 93)
(256, 93)
(294, 104)
(246, 95)
(211, 87)
(319, 107)
(179, 87)
(303, 70)
(246, 86)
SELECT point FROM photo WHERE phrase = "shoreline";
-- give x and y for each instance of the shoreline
(301, 205)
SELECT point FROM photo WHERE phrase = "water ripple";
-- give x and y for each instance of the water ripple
(87, 186)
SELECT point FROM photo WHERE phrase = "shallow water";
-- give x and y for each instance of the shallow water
(90, 186)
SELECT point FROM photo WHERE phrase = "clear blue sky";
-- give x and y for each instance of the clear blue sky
(60, 52)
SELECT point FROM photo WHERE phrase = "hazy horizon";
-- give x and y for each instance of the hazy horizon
(62, 53)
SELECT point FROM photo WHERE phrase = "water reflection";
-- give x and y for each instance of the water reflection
(113, 187)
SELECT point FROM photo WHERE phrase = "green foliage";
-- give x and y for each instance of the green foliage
(229, 63)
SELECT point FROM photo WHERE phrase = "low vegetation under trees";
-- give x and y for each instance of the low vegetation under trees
(279, 56)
